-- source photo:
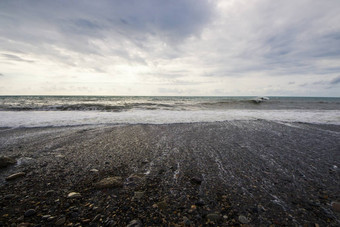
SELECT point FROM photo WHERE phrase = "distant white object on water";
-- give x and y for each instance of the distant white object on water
(260, 99)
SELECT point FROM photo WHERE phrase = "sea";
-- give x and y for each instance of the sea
(55, 111)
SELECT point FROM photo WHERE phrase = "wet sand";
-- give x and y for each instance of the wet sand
(223, 173)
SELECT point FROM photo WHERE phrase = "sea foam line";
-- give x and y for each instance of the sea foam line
(72, 118)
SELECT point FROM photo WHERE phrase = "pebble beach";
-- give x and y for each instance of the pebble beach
(230, 173)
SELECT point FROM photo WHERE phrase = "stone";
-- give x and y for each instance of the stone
(49, 192)
(24, 224)
(186, 221)
(9, 196)
(138, 195)
(196, 180)
(200, 203)
(96, 218)
(25, 161)
(94, 170)
(213, 217)
(6, 161)
(29, 213)
(109, 182)
(60, 156)
(45, 217)
(135, 223)
(51, 218)
(73, 195)
(336, 206)
(60, 221)
(243, 219)
(162, 205)
(15, 176)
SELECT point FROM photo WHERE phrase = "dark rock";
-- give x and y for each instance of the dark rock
(109, 182)
(162, 205)
(15, 176)
(214, 217)
(75, 214)
(9, 196)
(138, 195)
(51, 218)
(45, 217)
(243, 219)
(30, 212)
(135, 223)
(336, 206)
(96, 218)
(49, 192)
(60, 221)
(200, 203)
(196, 180)
(6, 161)
(24, 224)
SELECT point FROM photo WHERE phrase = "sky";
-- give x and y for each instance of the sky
(163, 47)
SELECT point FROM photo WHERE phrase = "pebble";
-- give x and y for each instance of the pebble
(94, 170)
(243, 219)
(109, 182)
(336, 206)
(73, 195)
(60, 221)
(29, 213)
(96, 218)
(9, 196)
(135, 223)
(60, 156)
(50, 218)
(45, 217)
(49, 192)
(162, 205)
(15, 176)
(138, 195)
(6, 161)
(200, 203)
(186, 221)
(24, 224)
(213, 217)
(85, 220)
(196, 180)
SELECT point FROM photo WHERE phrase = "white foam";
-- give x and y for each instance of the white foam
(71, 118)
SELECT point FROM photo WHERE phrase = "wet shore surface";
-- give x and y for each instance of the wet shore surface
(210, 174)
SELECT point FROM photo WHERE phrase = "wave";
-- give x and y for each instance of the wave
(119, 104)
(87, 107)
(73, 118)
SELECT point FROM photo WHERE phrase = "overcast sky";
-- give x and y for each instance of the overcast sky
(163, 47)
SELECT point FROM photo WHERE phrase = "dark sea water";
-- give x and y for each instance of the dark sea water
(126, 103)
(31, 111)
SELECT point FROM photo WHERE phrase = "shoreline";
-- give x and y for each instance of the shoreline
(218, 173)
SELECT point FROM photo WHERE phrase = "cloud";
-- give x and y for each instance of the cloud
(172, 43)
(77, 26)
(12, 57)
(335, 80)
